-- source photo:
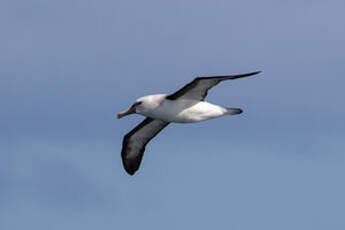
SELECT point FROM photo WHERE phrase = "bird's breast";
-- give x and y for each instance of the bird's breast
(185, 111)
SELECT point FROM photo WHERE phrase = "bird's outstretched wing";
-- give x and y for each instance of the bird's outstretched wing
(197, 89)
(135, 141)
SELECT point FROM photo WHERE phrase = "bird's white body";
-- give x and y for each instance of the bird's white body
(178, 111)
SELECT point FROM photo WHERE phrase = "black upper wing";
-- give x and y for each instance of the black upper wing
(197, 89)
(135, 141)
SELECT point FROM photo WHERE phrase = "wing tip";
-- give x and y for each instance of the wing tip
(254, 73)
(235, 76)
(245, 74)
(130, 167)
(130, 172)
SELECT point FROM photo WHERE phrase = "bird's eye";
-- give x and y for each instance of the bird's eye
(138, 103)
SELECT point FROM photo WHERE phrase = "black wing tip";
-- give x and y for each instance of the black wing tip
(130, 171)
(256, 72)
(247, 74)
(235, 76)
(130, 167)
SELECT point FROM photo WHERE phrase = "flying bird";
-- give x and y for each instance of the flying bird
(186, 105)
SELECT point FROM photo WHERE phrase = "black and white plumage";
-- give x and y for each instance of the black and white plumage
(184, 106)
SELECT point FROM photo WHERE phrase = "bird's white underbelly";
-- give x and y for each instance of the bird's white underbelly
(186, 111)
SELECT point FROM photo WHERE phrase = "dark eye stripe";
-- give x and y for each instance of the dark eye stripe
(138, 103)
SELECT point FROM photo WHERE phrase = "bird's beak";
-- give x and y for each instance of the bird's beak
(126, 112)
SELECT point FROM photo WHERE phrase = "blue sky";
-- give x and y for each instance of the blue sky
(67, 67)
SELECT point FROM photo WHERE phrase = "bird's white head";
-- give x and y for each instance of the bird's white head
(143, 105)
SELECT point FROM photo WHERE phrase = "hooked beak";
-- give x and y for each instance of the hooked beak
(126, 112)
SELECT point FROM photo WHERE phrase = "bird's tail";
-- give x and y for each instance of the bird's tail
(233, 111)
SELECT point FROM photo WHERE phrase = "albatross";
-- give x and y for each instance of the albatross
(186, 105)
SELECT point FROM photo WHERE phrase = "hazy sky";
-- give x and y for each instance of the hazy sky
(67, 67)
